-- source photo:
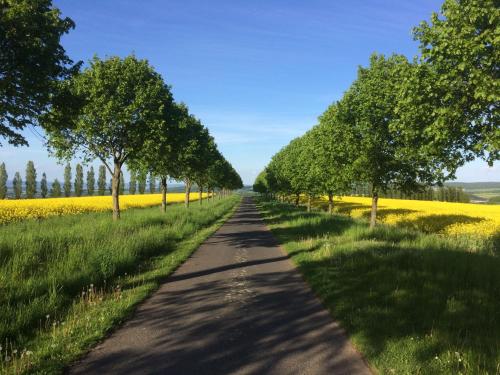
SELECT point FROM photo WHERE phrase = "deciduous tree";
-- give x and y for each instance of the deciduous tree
(43, 186)
(79, 180)
(115, 104)
(17, 184)
(30, 180)
(91, 181)
(31, 60)
(3, 181)
(55, 189)
(101, 180)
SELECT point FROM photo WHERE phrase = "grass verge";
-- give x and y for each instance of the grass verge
(67, 281)
(412, 303)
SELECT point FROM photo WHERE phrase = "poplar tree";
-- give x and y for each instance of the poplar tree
(141, 182)
(101, 181)
(122, 183)
(17, 183)
(3, 181)
(133, 182)
(67, 180)
(79, 180)
(55, 189)
(152, 183)
(30, 180)
(91, 181)
(43, 186)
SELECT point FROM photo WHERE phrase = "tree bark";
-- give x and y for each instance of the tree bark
(308, 203)
(187, 196)
(200, 195)
(115, 190)
(163, 183)
(373, 216)
(330, 203)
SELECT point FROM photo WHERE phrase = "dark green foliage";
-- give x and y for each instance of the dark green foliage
(91, 181)
(67, 180)
(3, 181)
(17, 183)
(30, 180)
(79, 180)
(55, 189)
(31, 60)
(101, 181)
(43, 186)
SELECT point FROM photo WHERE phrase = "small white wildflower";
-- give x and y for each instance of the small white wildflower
(29, 352)
(436, 357)
(47, 316)
(14, 351)
(91, 285)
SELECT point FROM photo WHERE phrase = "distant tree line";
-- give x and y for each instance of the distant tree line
(404, 126)
(116, 110)
(32, 188)
(430, 193)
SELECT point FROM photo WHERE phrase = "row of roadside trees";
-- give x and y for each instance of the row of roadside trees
(116, 110)
(404, 125)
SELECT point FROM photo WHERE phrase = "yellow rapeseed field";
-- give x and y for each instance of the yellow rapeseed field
(428, 216)
(17, 210)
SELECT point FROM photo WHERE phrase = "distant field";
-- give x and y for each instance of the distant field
(479, 190)
(474, 221)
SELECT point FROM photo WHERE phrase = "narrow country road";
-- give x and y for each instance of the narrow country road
(237, 306)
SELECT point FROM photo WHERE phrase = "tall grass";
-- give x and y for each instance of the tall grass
(413, 303)
(57, 273)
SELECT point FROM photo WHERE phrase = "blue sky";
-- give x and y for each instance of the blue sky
(257, 73)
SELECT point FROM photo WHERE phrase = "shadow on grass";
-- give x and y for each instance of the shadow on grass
(405, 296)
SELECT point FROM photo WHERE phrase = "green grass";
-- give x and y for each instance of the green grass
(412, 303)
(66, 281)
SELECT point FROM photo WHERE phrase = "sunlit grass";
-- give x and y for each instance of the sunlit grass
(413, 303)
(65, 281)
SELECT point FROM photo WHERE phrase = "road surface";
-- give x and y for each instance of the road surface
(237, 306)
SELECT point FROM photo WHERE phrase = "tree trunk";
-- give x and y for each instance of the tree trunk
(308, 203)
(188, 192)
(373, 216)
(163, 183)
(330, 203)
(115, 190)
(200, 195)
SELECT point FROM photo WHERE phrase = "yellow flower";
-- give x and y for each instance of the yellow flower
(16, 210)
(428, 216)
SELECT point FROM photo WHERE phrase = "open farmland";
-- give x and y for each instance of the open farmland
(454, 219)
(17, 210)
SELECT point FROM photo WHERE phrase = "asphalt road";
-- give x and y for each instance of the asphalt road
(237, 306)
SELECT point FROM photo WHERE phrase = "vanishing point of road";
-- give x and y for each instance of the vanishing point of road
(236, 306)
